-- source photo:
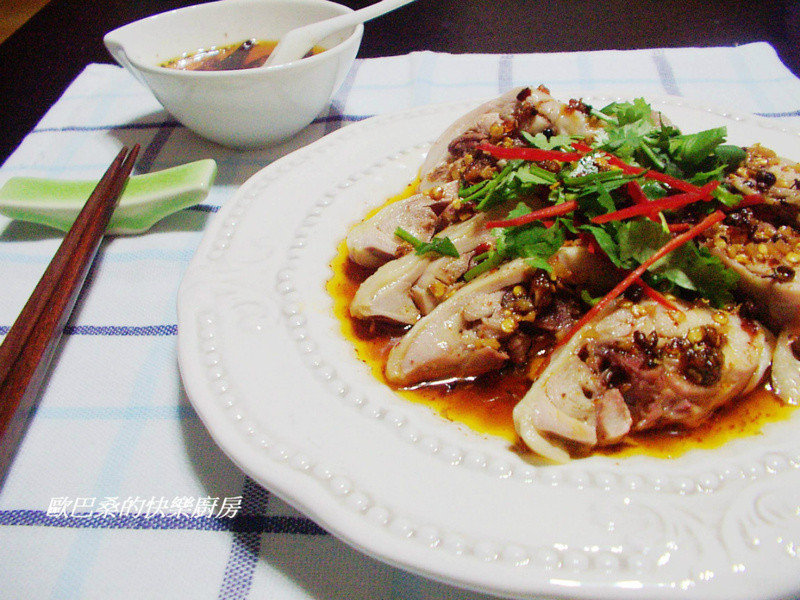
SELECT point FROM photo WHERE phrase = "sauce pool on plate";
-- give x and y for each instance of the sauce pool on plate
(485, 405)
(248, 54)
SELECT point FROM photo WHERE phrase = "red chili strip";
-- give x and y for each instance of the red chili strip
(582, 147)
(708, 188)
(749, 200)
(548, 212)
(631, 278)
(636, 192)
(626, 168)
(531, 154)
(638, 196)
(678, 227)
(673, 182)
(654, 294)
(651, 207)
(588, 240)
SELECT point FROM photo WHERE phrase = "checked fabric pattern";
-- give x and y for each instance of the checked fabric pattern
(118, 491)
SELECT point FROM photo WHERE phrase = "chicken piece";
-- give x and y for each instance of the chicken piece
(373, 242)
(460, 337)
(638, 367)
(762, 245)
(763, 172)
(385, 294)
(786, 365)
(403, 289)
(578, 266)
(438, 279)
(521, 109)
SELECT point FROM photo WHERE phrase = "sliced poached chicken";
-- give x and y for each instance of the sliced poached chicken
(532, 110)
(373, 242)
(458, 339)
(404, 289)
(637, 367)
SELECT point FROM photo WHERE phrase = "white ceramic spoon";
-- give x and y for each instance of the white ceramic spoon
(297, 42)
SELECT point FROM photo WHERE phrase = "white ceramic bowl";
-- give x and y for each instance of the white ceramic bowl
(246, 108)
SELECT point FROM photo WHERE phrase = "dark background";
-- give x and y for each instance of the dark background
(39, 60)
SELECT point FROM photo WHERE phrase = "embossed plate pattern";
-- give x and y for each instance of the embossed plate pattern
(283, 394)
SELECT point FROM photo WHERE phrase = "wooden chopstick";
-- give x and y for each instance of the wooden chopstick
(30, 344)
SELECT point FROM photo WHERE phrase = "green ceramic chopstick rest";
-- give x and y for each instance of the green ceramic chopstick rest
(146, 199)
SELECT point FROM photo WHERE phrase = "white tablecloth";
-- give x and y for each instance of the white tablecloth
(118, 490)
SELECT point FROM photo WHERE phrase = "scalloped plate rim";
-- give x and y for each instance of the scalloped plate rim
(231, 435)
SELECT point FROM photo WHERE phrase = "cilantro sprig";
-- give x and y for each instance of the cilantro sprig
(443, 246)
(518, 178)
(536, 243)
(654, 157)
(638, 134)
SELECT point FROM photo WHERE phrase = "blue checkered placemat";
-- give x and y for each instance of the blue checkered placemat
(118, 490)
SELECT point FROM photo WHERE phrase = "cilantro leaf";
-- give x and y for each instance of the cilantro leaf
(518, 178)
(629, 112)
(727, 197)
(443, 246)
(543, 142)
(692, 150)
(626, 140)
(606, 237)
(639, 239)
(533, 241)
(688, 267)
(729, 155)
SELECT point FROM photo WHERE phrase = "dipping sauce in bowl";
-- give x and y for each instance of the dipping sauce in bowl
(248, 54)
(241, 107)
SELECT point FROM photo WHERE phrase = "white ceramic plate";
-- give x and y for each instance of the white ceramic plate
(284, 396)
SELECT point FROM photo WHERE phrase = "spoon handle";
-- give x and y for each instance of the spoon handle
(362, 14)
(297, 42)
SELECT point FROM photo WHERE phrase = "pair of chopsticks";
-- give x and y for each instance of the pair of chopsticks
(30, 344)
